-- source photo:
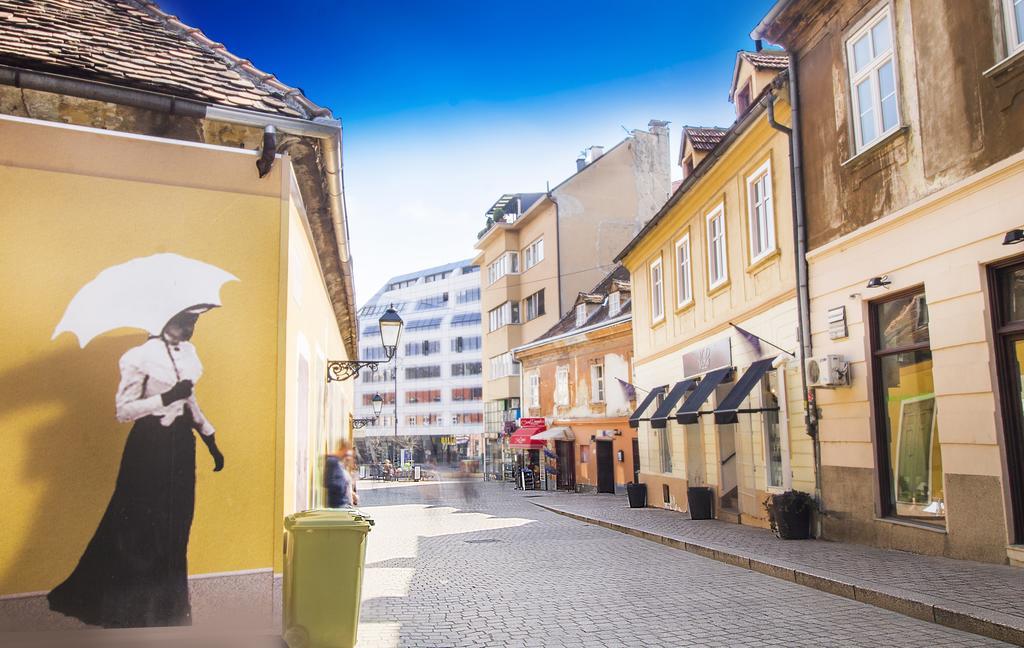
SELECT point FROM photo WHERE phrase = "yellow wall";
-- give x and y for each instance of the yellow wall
(758, 295)
(76, 202)
(311, 332)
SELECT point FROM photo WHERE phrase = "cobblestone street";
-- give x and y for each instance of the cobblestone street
(476, 564)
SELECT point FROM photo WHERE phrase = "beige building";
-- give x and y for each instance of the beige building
(576, 377)
(539, 251)
(712, 272)
(912, 130)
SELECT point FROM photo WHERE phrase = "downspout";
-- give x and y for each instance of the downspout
(558, 253)
(803, 302)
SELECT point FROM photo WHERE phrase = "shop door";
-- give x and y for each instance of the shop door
(605, 468)
(1007, 289)
(566, 465)
(636, 461)
(1013, 428)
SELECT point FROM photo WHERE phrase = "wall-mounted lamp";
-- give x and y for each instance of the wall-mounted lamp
(1013, 237)
(879, 282)
(620, 455)
(378, 403)
(390, 331)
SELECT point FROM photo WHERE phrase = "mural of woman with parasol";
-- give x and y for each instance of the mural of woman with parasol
(133, 572)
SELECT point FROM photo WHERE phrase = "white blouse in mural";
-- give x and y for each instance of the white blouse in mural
(147, 371)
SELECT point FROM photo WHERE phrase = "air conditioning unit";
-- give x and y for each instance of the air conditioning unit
(828, 371)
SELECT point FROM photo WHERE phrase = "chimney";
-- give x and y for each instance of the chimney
(580, 163)
(593, 153)
(657, 126)
(758, 46)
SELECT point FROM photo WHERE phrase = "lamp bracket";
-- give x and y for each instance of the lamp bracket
(345, 369)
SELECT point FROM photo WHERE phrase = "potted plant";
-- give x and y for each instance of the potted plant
(790, 514)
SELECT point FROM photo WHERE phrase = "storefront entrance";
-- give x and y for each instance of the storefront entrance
(1007, 289)
(566, 465)
(605, 467)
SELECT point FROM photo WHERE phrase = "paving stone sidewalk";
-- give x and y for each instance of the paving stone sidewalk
(977, 597)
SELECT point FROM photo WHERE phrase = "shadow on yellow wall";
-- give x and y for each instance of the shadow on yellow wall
(67, 469)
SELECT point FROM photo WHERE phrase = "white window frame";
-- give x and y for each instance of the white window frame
(1014, 38)
(870, 72)
(597, 383)
(532, 306)
(581, 314)
(684, 272)
(715, 281)
(533, 254)
(614, 303)
(506, 264)
(499, 316)
(763, 172)
(562, 385)
(503, 365)
(533, 381)
(657, 291)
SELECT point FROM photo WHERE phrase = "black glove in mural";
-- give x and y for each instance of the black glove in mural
(180, 391)
(211, 445)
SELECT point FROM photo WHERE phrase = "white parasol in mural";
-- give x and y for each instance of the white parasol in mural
(143, 293)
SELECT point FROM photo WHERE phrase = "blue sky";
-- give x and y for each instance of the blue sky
(448, 104)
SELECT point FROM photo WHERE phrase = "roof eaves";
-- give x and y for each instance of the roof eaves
(236, 63)
(757, 107)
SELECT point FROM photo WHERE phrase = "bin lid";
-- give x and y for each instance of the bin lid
(347, 517)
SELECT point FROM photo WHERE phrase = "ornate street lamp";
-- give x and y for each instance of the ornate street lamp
(390, 331)
(378, 405)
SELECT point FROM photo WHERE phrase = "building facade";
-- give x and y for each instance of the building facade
(539, 251)
(911, 132)
(576, 376)
(715, 317)
(433, 388)
(130, 180)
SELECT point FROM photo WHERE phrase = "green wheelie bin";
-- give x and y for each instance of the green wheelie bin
(324, 552)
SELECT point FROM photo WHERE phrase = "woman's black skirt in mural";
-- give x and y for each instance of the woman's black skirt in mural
(133, 573)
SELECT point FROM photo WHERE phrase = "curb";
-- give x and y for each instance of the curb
(979, 621)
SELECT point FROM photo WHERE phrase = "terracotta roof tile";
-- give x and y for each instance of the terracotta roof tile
(767, 59)
(133, 43)
(704, 138)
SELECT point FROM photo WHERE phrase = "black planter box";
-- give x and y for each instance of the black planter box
(701, 502)
(637, 494)
(793, 525)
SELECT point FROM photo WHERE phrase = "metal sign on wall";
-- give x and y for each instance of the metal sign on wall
(716, 355)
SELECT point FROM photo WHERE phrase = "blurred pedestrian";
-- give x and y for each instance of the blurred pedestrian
(338, 479)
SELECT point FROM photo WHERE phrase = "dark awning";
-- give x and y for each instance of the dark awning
(660, 417)
(634, 419)
(688, 411)
(729, 409)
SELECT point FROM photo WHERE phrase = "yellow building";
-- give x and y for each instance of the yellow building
(104, 184)
(540, 250)
(712, 272)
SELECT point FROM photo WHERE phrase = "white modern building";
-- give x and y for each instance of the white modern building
(433, 388)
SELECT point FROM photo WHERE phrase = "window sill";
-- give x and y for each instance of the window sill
(685, 306)
(864, 156)
(718, 288)
(1005, 66)
(924, 526)
(658, 322)
(763, 260)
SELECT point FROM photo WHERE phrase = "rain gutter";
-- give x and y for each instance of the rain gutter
(803, 302)
(327, 131)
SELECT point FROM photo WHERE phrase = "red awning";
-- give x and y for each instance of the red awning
(521, 440)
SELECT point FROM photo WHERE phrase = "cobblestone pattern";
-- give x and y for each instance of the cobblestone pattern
(475, 564)
(978, 588)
